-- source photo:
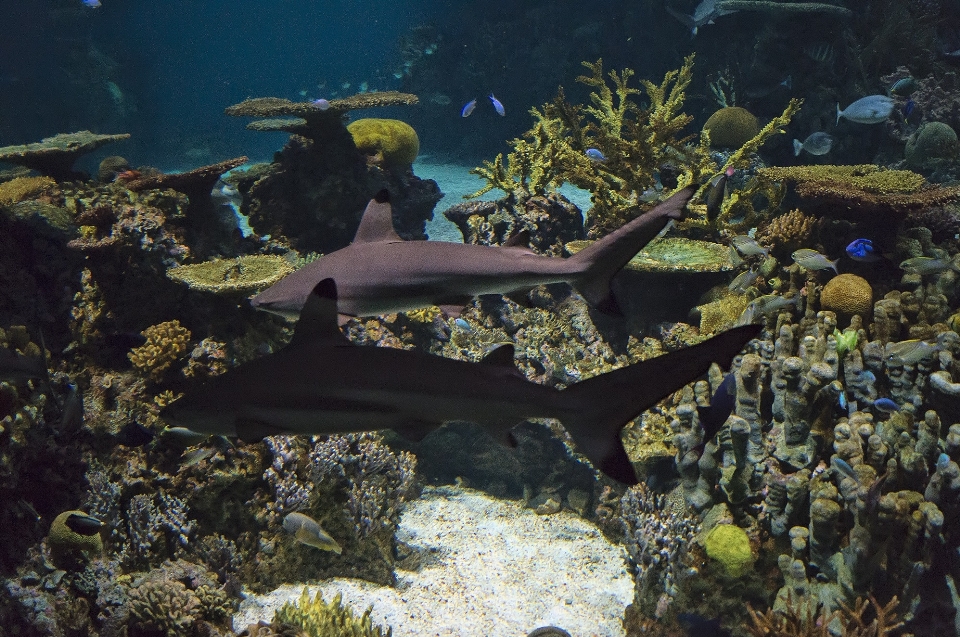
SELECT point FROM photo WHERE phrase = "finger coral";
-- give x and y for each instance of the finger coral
(166, 342)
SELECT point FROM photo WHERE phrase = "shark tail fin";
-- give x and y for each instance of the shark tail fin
(602, 405)
(602, 259)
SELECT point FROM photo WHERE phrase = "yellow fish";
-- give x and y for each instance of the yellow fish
(308, 531)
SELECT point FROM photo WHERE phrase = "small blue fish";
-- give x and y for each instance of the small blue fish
(320, 104)
(462, 324)
(862, 250)
(844, 468)
(497, 106)
(886, 405)
(595, 155)
(908, 109)
(943, 462)
(468, 108)
(843, 401)
(93, 4)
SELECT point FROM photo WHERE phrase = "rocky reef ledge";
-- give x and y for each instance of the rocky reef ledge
(482, 566)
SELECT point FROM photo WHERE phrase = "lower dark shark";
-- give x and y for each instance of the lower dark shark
(321, 383)
(380, 273)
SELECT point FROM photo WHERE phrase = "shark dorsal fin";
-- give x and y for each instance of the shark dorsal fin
(318, 318)
(377, 221)
(500, 355)
(519, 240)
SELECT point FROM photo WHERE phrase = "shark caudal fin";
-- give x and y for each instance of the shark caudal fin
(602, 405)
(605, 257)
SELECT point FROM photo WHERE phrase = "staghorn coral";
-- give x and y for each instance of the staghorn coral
(802, 620)
(241, 276)
(166, 342)
(318, 618)
(21, 188)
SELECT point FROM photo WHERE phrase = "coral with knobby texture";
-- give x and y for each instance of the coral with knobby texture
(731, 127)
(178, 599)
(69, 548)
(847, 294)
(21, 188)
(111, 166)
(390, 141)
(861, 190)
(934, 143)
(729, 545)
(241, 276)
(54, 156)
(318, 618)
(786, 233)
(716, 315)
(166, 342)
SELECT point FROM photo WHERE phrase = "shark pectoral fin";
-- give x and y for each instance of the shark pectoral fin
(616, 464)
(377, 221)
(318, 318)
(500, 354)
(250, 430)
(415, 431)
(518, 240)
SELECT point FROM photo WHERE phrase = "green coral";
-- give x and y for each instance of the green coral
(395, 142)
(243, 275)
(732, 127)
(729, 545)
(22, 188)
(320, 619)
(866, 177)
(68, 548)
(933, 144)
(846, 341)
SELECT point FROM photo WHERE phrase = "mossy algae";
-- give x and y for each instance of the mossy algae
(729, 545)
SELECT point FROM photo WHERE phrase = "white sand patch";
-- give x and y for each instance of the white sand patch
(495, 569)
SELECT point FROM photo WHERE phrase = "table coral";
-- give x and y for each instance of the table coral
(242, 276)
(166, 342)
(54, 156)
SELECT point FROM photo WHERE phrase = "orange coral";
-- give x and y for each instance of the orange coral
(787, 233)
(166, 342)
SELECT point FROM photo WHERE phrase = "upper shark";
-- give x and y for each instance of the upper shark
(380, 273)
(321, 383)
(705, 13)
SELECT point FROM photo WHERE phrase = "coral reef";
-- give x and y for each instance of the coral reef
(20, 188)
(729, 545)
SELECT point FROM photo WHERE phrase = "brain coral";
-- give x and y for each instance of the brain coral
(933, 143)
(395, 142)
(847, 294)
(66, 546)
(729, 545)
(732, 127)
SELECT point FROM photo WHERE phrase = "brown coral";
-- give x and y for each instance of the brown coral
(847, 294)
(800, 620)
(166, 342)
(787, 233)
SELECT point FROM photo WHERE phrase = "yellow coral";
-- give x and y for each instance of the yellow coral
(424, 315)
(242, 275)
(21, 188)
(69, 548)
(395, 142)
(787, 233)
(847, 294)
(730, 546)
(320, 619)
(716, 315)
(732, 127)
(166, 342)
(867, 177)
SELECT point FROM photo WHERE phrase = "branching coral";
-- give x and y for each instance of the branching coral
(800, 620)
(321, 619)
(166, 342)
(786, 233)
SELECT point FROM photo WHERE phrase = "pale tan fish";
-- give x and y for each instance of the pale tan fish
(308, 531)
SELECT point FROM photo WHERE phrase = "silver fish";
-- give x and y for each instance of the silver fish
(308, 531)
(927, 265)
(818, 143)
(743, 281)
(871, 109)
(747, 246)
(843, 467)
(765, 304)
(812, 260)
(821, 52)
(909, 352)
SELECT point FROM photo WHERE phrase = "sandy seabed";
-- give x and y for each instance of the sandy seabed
(494, 569)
